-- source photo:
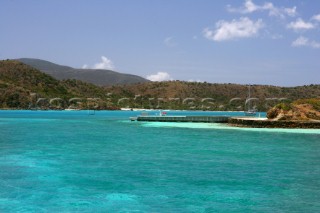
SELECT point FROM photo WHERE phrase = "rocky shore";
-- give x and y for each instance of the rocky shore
(267, 123)
(304, 113)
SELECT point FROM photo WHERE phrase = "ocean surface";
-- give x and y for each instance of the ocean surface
(60, 161)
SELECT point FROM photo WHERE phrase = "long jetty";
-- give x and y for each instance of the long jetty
(203, 119)
(252, 122)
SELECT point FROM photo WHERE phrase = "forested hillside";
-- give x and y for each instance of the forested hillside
(24, 87)
(208, 96)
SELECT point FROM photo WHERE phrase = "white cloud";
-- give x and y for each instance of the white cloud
(169, 42)
(242, 28)
(316, 17)
(160, 76)
(104, 64)
(291, 11)
(249, 7)
(300, 25)
(197, 81)
(303, 41)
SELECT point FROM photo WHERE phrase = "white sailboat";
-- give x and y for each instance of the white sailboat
(250, 111)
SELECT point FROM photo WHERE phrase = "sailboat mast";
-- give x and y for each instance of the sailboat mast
(249, 96)
(250, 111)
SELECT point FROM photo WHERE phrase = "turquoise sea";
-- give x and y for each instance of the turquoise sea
(59, 161)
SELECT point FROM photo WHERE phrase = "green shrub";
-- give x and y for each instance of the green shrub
(284, 106)
(314, 102)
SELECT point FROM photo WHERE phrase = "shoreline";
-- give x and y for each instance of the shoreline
(222, 126)
(177, 110)
(267, 123)
(241, 122)
(121, 109)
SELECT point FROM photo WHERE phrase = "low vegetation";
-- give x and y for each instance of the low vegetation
(24, 87)
(302, 109)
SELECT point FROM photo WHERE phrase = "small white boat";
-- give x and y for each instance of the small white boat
(133, 118)
(250, 113)
(71, 109)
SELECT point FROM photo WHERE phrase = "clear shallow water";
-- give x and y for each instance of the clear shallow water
(74, 162)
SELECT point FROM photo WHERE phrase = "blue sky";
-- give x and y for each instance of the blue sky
(244, 41)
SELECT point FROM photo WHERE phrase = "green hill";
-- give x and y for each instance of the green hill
(22, 86)
(94, 76)
(208, 96)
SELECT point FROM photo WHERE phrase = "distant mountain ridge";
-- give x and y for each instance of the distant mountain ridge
(98, 77)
